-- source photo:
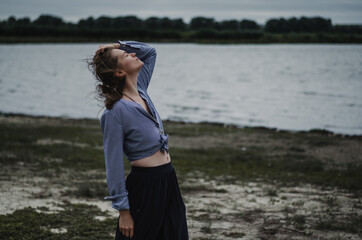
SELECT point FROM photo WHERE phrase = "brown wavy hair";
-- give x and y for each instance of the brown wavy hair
(109, 86)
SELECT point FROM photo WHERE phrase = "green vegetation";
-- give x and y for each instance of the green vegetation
(79, 147)
(77, 221)
(48, 28)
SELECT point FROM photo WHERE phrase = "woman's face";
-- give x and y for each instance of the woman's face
(128, 62)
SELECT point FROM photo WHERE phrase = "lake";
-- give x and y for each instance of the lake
(285, 86)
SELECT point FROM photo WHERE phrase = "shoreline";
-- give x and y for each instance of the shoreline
(220, 124)
(267, 38)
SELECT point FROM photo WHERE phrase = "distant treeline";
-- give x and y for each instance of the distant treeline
(301, 29)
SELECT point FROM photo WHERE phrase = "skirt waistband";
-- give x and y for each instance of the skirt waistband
(157, 170)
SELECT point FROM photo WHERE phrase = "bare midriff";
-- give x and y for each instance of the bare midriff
(157, 159)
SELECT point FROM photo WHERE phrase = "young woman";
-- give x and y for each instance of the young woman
(149, 201)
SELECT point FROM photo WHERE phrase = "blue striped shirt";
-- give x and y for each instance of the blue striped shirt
(128, 129)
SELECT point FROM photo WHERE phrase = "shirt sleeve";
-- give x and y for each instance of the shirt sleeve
(147, 55)
(113, 153)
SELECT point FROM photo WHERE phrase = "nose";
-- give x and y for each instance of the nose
(133, 54)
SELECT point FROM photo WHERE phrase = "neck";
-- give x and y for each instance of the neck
(130, 87)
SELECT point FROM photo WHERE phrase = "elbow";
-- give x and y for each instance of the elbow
(153, 52)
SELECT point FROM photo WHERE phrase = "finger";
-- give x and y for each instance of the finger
(131, 233)
(123, 232)
(127, 232)
(100, 50)
(121, 229)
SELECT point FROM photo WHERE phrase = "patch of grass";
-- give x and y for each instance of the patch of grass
(313, 138)
(203, 217)
(298, 203)
(254, 163)
(252, 215)
(332, 202)
(298, 221)
(206, 228)
(199, 129)
(272, 192)
(352, 223)
(77, 219)
(28, 134)
(200, 188)
(234, 234)
(296, 149)
(89, 190)
(288, 210)
(19, 145)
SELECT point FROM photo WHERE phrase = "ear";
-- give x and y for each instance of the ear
(119, 74)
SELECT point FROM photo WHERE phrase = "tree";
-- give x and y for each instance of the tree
(103, 22)
(11, 20)
(304, 24)
(166, 23)
(88, 23)
(132, 22)
(272, 25)
(248, 25)
(178, 24)
(202, 23)
(24, 21)
(152, 23)
(229, 25)
(49, 20)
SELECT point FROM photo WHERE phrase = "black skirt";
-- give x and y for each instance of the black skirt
(156, 204)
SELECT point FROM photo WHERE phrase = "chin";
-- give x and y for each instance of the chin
(140, 66)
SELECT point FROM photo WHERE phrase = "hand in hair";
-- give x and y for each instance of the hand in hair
(101, 48)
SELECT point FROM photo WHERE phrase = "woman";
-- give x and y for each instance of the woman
(149, 201)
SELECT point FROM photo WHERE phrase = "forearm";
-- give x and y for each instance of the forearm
(142, 50)
(112, 45)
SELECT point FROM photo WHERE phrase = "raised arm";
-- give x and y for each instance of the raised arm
(147, 55)
(113, 153)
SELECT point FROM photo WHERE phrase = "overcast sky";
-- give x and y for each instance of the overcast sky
(339, 11)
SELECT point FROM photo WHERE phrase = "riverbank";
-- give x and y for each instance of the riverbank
(264, 38)
(237, 183)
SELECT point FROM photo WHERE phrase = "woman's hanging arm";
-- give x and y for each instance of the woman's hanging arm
(113, 153)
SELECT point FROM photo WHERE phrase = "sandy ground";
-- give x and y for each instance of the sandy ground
(244, 210)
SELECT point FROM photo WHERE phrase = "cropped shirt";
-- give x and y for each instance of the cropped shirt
(128, 129)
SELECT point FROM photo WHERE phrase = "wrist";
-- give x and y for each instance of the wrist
(123, 211)
(116, 45)
(121, 43)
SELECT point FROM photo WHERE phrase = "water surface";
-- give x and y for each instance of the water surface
(287, 86)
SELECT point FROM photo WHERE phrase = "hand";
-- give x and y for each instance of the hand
(126, 224)
(110, 46)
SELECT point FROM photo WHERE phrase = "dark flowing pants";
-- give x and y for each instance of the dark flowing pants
(156, 204)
